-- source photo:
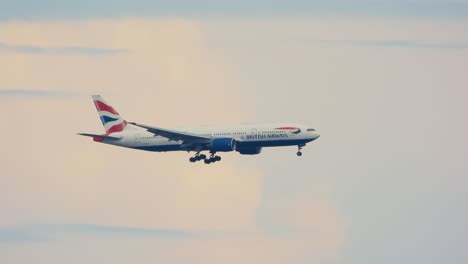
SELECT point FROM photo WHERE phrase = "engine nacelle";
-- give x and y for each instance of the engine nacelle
(249, 150)
(223, 144)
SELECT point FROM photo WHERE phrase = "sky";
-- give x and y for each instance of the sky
(50, 9)
(384, 84)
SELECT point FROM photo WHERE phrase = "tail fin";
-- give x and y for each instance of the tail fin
(111, 120)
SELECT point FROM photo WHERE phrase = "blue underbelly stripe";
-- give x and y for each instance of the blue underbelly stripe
(266, 143)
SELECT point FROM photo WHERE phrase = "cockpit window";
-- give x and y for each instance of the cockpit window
(310, 129)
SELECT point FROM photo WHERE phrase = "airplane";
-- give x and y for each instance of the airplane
(247, 139)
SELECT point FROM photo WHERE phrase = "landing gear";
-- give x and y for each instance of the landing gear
(212, 158)
(197, 157)
(299, 147)
(203, 157)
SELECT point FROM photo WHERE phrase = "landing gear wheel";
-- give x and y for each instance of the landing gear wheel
(299, 147)
(217, 158)
(202, 156)
(192, 159)
(207, 161)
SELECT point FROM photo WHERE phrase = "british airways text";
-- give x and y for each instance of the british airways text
(267, 136)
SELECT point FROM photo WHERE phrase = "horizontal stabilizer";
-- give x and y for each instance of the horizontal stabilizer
(101, 137)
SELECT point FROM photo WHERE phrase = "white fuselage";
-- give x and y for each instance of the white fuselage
(247, 139)
(247, 136)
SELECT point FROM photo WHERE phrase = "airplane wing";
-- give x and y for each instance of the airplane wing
(174, 135)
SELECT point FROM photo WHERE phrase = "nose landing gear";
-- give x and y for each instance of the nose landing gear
(299, 147)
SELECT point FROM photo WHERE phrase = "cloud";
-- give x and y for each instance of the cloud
(98, 241)
(43, 233)
(398, 44)
(310, 210)
(16, 235)
(33, 93)
(73, 50)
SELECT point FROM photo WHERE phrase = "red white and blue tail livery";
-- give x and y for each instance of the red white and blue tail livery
(247, 139)
(110, 118)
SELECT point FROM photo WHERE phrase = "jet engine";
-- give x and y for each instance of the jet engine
(223, 144)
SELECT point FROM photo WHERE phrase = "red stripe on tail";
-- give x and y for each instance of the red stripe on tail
(103, 107)
(117, 128)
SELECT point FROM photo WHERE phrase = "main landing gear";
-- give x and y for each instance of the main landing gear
(197, 157)
(206, 160)
(299, 147)
(212, 159)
